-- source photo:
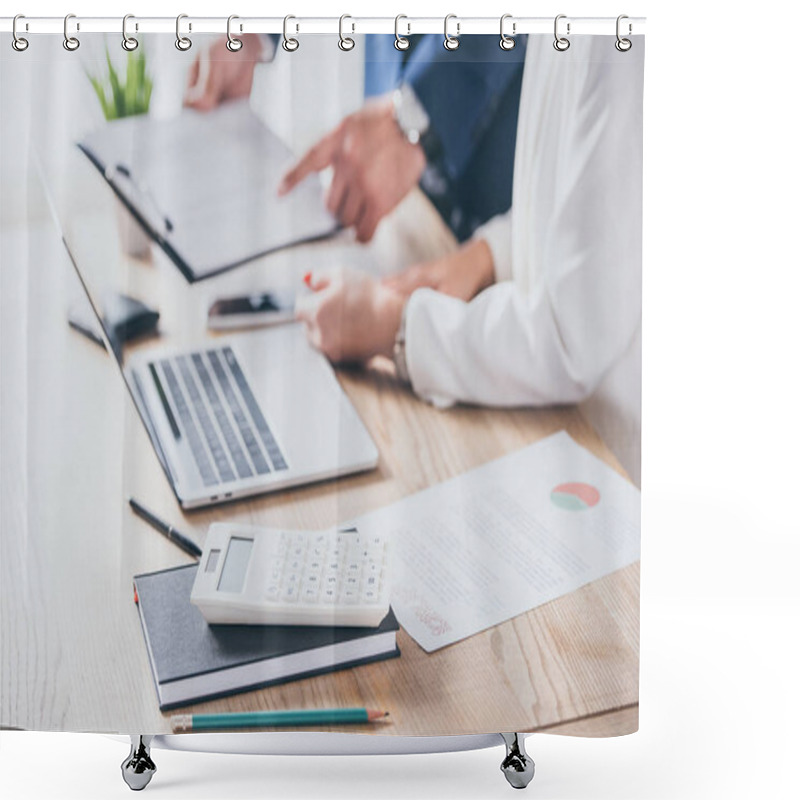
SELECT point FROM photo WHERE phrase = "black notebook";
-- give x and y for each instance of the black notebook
(205, 186)
(192, 660)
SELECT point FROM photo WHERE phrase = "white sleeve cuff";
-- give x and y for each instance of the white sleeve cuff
(497, 234)
(420, 371)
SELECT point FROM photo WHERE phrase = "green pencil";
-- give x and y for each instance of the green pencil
(251, 719)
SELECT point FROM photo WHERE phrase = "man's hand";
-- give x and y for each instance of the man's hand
(218, 75)
(462, 274)
(350, 316)
(374, 167)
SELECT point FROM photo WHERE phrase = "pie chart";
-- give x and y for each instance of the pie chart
(574, 496)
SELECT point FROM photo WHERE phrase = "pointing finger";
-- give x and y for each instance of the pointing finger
(316, 159)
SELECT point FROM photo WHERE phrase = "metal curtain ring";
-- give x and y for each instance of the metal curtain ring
(561, 43)
(400, 42)
(233, 44)
(183, 43)
(71, 43)
(289, 43)
(19, 43)
(129, 43)
(623, 45)
(346, 43)
(507, 42)
(451, 42)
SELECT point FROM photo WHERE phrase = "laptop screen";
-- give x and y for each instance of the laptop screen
(86, 313)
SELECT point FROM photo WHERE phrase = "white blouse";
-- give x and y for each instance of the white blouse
(567, 301)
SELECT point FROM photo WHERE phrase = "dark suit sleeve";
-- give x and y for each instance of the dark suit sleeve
(461, 90)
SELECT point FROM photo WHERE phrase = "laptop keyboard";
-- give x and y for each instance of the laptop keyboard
(219, 415)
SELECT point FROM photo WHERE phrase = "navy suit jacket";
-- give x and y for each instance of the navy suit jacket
(471, 96)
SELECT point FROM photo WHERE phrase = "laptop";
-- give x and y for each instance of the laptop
(235, 417)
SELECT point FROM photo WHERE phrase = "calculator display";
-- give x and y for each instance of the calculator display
(235, 567)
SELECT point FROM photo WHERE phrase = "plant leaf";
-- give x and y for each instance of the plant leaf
(116, 88)
(130, 85)
(101, 96)
(118, 99)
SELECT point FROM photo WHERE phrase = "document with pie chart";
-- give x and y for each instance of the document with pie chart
(506, 537)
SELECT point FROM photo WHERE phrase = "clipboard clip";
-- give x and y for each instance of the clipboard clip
(143, 200)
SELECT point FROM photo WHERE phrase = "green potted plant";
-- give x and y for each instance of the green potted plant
(126, 98)
(118, 99)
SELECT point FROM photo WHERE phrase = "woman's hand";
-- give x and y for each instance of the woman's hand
(350, 316)
(462, 274)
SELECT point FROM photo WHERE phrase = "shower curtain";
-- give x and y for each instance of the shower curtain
(369, 289)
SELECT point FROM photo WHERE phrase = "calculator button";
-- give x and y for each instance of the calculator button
(290, 594)
(310, 594)
(292, 579)
(370, 596)
(273, 592)
(350, 596)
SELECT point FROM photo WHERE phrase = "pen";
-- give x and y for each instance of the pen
(249, 719)
(173, 535)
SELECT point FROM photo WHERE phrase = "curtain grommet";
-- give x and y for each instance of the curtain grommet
(346, 43)
(561, 43)
(71, 43)
(182, 43)
(233, 44)
(451, 42)
(289, 43)
(129, 43)
(401, 43)
(622, 44)
(19, 43)
(507, 42)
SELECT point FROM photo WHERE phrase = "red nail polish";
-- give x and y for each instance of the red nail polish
(307, 279)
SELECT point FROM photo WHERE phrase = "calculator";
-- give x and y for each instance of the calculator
(265, 576)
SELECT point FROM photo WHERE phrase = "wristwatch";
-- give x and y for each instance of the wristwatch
(399, 349)
(410, 114)
(414, 122)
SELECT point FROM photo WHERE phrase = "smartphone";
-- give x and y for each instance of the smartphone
(266, 308)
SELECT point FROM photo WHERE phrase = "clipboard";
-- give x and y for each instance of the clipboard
(204, 186)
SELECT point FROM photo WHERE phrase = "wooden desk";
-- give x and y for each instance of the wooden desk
(73, 654)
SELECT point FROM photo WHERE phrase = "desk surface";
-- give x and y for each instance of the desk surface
(73, 654)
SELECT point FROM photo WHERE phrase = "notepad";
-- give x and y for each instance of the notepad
(204, 186)
(193, 661)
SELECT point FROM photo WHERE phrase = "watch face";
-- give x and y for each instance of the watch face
(410, 114)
